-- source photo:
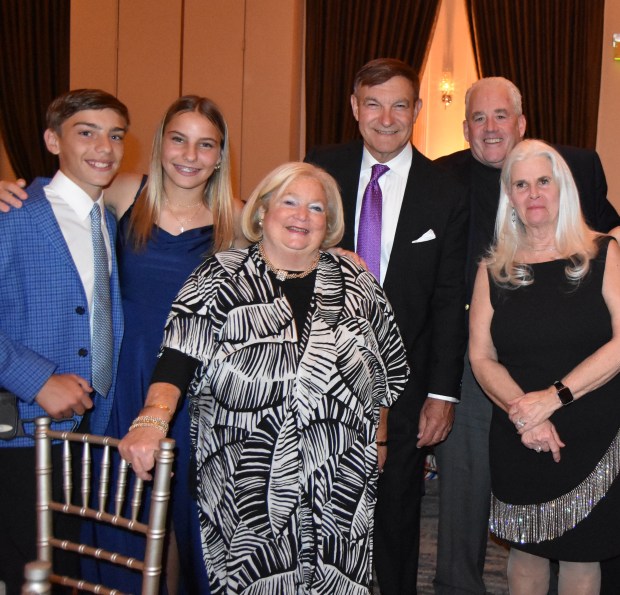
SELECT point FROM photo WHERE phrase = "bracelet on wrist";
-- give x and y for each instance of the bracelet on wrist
(381, 442)
(161, 406)
(148, 421)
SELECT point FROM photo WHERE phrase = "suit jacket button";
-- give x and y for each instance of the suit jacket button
(83, 352)
(80, 310)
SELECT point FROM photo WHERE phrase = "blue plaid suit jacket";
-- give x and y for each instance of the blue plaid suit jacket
(44, 319)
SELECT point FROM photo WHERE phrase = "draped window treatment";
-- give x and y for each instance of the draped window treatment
(341, 36)
(551, 50)
(34, 59)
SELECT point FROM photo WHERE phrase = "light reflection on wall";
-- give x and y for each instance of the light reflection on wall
(439, 129)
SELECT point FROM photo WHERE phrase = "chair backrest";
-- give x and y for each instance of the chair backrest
(94, 503)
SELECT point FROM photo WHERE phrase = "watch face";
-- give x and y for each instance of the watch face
(564, 393)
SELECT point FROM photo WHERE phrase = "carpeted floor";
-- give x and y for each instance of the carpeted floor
(495, 566)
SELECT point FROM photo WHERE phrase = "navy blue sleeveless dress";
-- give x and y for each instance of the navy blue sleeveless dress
(150, 279)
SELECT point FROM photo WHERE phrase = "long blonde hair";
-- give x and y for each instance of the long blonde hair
(218, 195)
(574, 240)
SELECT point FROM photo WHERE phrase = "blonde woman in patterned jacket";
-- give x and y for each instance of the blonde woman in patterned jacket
(290, 357)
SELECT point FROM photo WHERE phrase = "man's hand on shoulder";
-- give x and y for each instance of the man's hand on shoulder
(12, 195)
(436, 419)
(356, 258)
(64, 395)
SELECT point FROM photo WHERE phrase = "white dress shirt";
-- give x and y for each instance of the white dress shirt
(72, 207)
(392, 184)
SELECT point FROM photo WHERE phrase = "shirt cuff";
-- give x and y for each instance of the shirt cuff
(443, 398)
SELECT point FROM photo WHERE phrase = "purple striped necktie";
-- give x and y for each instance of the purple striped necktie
(369, 227)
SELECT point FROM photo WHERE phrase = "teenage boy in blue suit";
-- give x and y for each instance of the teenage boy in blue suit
(47, 286)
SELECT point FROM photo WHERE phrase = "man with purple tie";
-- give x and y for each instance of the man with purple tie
(408, 219)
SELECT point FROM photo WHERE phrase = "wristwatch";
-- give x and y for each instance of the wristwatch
(564, 394)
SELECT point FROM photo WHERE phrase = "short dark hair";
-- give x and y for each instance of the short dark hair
(78, 100)
(381, 70)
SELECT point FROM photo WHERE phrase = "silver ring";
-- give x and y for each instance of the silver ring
(520, 424)
(538, 448)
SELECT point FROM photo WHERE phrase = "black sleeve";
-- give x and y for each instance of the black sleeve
(606, 216)
(587, 170)
(175, 367)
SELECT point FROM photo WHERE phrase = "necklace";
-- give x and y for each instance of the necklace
(188, 205)
(543, 249)
(281, 274)
(184, 221)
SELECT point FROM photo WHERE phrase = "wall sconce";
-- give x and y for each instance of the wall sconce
(616, 46)
(447, 89)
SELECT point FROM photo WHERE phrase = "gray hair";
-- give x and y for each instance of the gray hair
(500, 81)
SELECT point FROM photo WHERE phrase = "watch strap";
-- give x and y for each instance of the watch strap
(564, 394)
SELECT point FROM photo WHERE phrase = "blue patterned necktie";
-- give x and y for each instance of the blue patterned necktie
(369, 227)
(102, 346)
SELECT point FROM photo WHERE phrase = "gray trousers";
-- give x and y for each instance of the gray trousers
(464, 494)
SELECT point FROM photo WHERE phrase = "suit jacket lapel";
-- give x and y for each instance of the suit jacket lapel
(349, 181)
(43, 217)
(413, 220)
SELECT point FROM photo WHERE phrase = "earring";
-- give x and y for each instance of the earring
(217, 166)
(260, 222)
(513, 218)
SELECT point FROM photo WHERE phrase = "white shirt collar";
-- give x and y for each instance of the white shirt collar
(73, 195)
(401, 164)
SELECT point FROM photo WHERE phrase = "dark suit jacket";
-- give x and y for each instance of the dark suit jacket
(587, 170)
(589, 176)
(425, 280)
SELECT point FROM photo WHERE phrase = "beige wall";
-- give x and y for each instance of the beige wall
(608, 138)
(246, 55)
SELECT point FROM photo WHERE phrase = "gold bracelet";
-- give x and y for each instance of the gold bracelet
(161, 406)
(148, 421)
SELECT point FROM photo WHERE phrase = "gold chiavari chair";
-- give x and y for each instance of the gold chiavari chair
(155, 530)
(37, 578)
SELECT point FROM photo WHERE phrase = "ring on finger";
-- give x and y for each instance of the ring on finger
(520, 423)
(538, 448)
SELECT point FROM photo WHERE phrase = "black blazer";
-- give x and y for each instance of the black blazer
(589, 176)
(425, 279)
(587, 170)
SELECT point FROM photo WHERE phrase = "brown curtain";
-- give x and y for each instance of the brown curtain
(551, 49)
(341, 36)
(34, 61)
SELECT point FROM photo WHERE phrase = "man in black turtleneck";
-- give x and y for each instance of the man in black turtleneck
(494, 124)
